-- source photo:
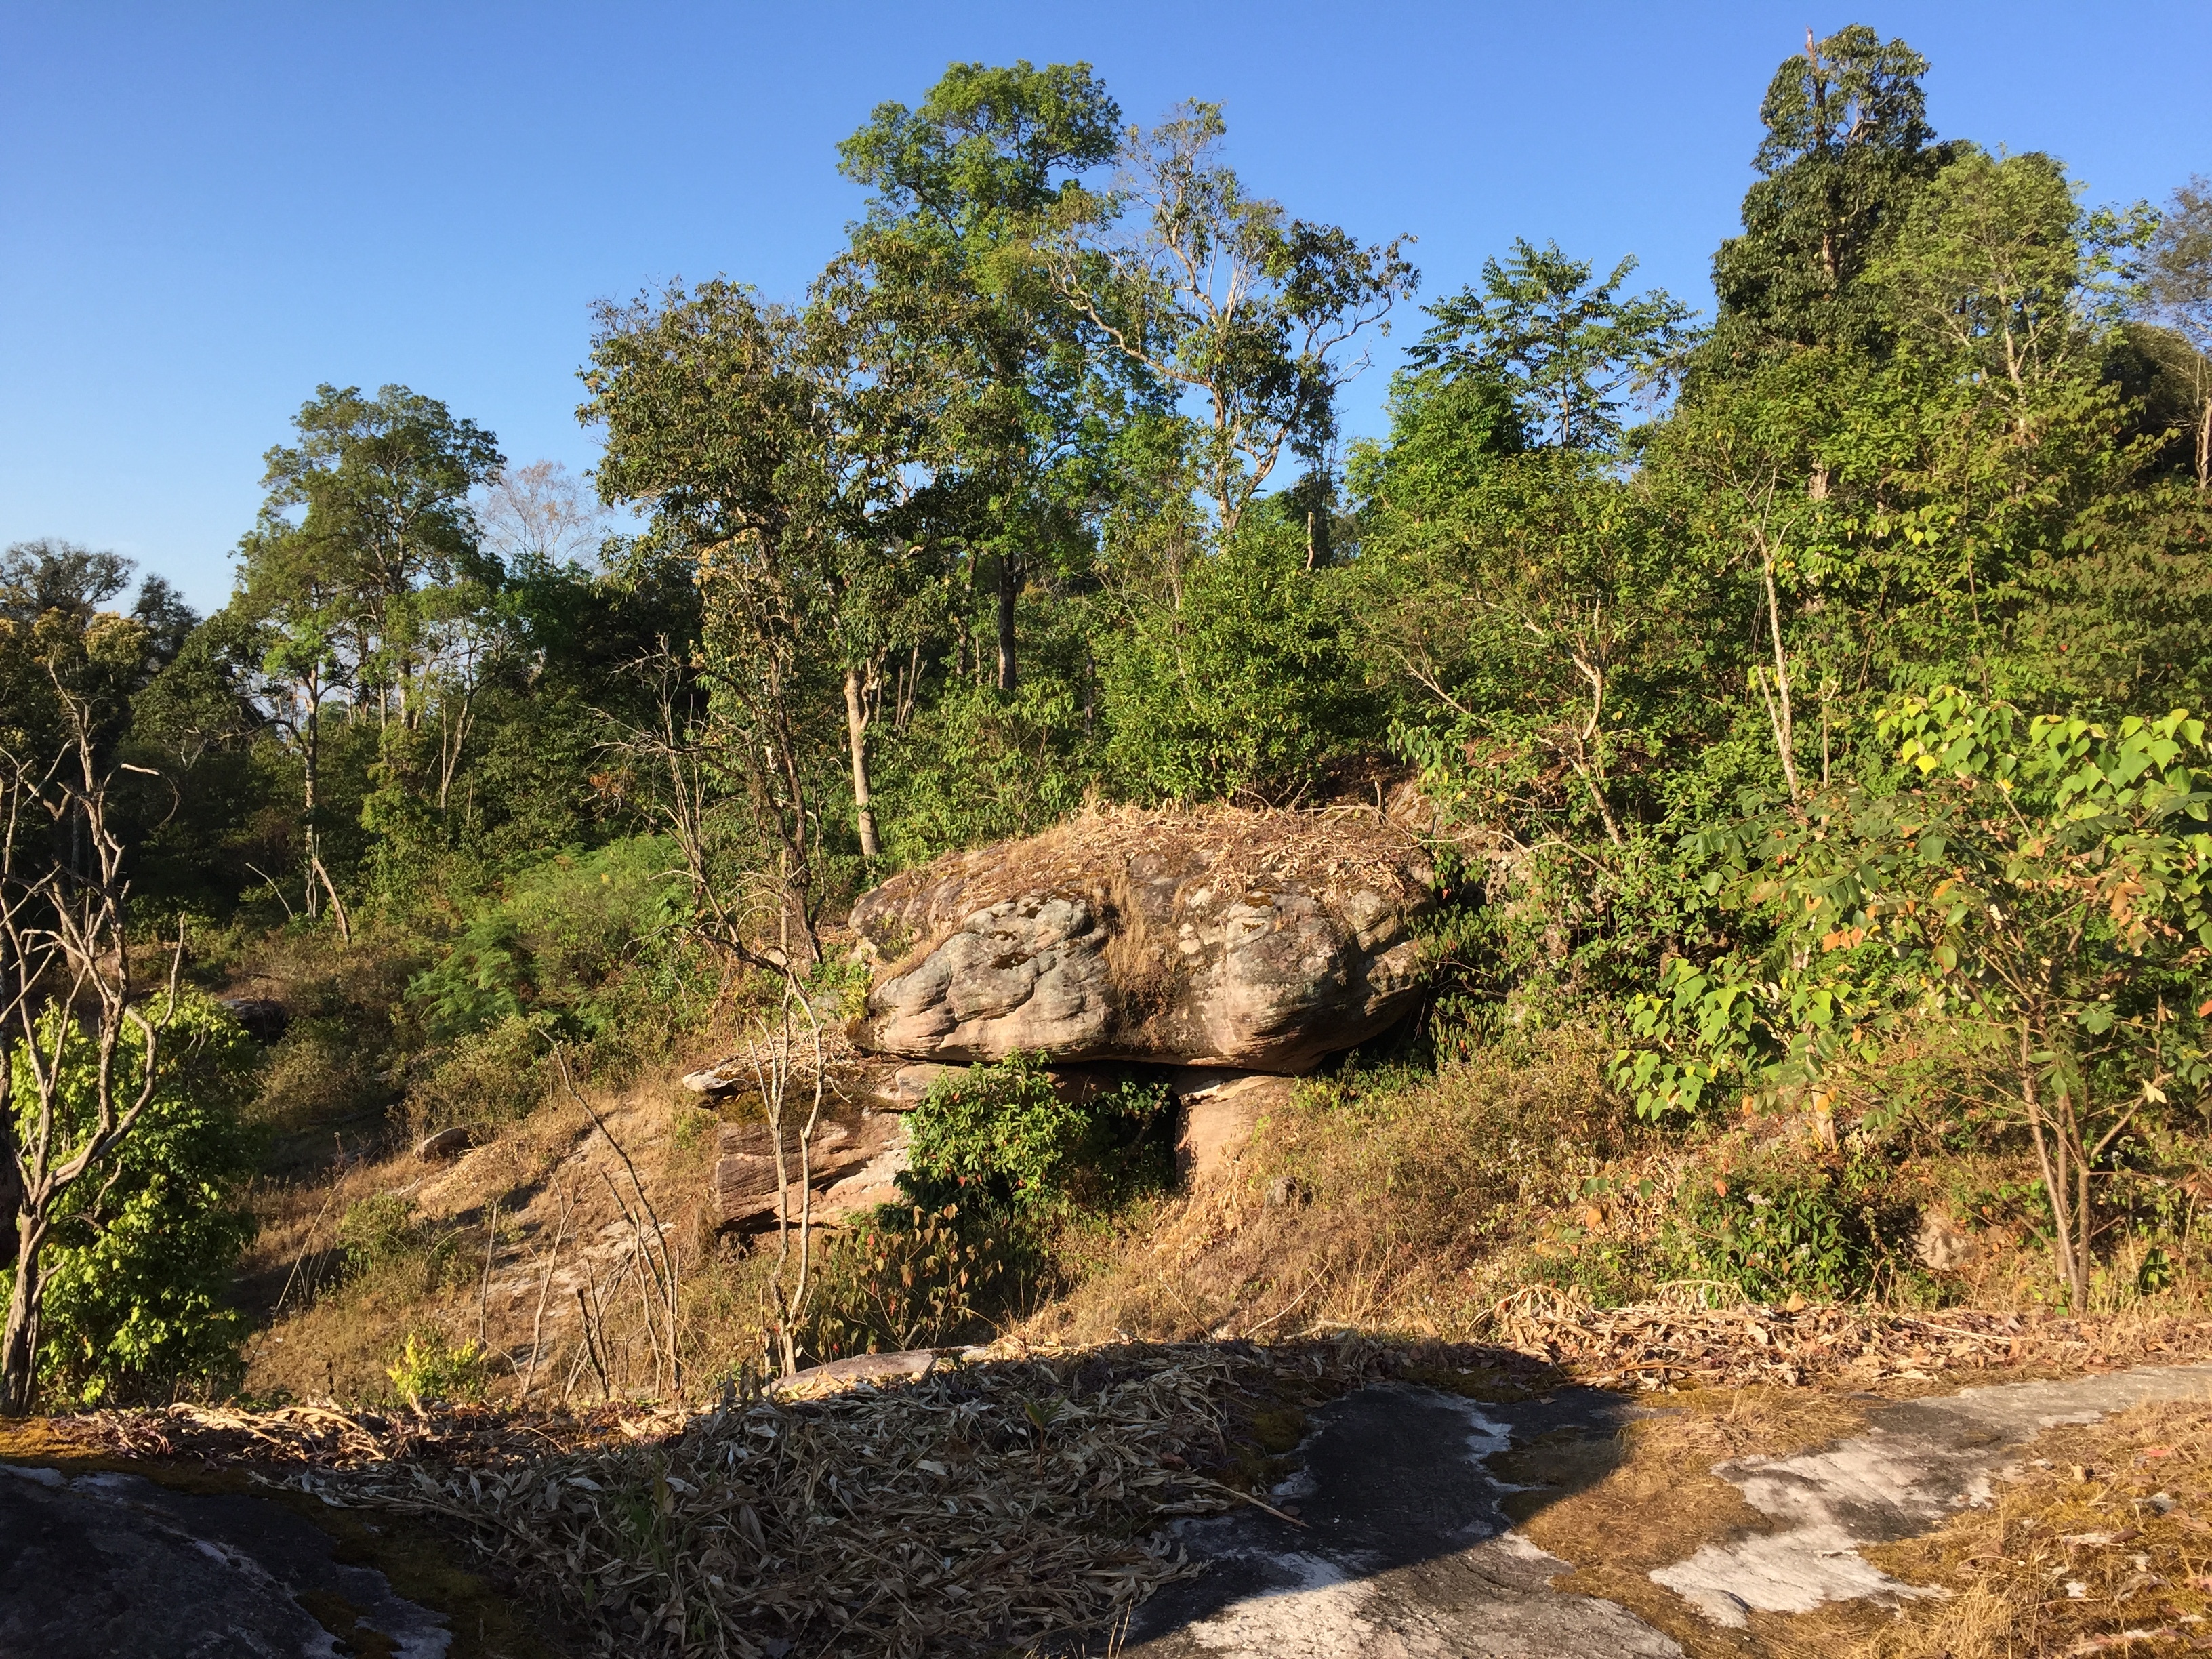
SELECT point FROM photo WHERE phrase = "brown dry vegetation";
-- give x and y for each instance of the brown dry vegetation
(2102, 1544)
(1415, 1206)
(1402, 1212)
(472, 1250)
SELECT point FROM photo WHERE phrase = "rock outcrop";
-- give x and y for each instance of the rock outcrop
(852, 1169)
(1262, 941)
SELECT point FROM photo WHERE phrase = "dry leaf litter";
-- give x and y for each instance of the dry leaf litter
(1010, 1500)
(993, 1504)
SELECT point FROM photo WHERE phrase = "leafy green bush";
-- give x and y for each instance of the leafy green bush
(1003, 1133)
(1250, 683)
(378, 1230)
(2047, 880)
(140, 1264)
(912, 1277)
(980, 766)
(490, 1076)
(1827, 1232)
(429, 1368)
(550, 946)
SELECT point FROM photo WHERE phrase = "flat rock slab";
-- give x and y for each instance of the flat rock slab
(1404, 1553)
(1919, 1463)
(98, 1565)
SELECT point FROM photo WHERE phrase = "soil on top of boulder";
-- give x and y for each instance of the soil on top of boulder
(1263, 941)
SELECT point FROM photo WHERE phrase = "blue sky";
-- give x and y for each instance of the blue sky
(207, 209)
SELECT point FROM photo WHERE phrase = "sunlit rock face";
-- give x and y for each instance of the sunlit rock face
(1259, 941)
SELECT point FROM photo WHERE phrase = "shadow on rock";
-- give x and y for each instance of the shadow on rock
(1400, 1544)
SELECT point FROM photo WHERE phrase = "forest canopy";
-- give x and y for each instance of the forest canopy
(1728, 648)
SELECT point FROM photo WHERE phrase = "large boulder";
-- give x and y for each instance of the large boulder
(1262, 941)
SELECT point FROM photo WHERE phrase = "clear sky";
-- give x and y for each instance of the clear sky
(206, 209)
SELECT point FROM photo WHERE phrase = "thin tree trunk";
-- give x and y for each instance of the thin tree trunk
(2204, 447)
(2062, 1171)
(856, 737)
(19, 1344)
(1010, 582)
(310, 749)
(1779, 706)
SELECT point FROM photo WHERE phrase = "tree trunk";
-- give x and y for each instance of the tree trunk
(2061, 1160)
(856, 735)
(19, 1345)
(1010, 585)
(1778, 710)
(2204, 447)
(309, 748)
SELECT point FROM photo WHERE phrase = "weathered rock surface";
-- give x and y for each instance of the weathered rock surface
(1920, 1461)
(445, 1143)
(1219, 1112)
(1401, 1550)
(1262, 941)
(852, 1168)
(1398, 1546)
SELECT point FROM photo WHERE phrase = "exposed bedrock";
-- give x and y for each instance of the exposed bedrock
(1262, 941)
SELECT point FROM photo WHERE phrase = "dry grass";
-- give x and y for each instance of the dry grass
(1401, 1203)
(499, 1244)
(1647, 1496)
(2102, 1544)
(1013, 1499)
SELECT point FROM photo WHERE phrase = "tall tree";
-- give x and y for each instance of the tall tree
(1847, 144)
(381, 487)
(1222, 295)
(774, 449)
(1572, 352)
(365, 566)
(2176, 293)
(963, 187)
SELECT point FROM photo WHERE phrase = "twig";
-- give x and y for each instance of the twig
(545, 1286)
(307, 1243)
(483, 1290)
(1293, 1303)
(1247, 1498)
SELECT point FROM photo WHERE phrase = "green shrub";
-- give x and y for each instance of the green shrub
(1249, 684)
(377, 1231)
(1824, 1231)
(550, 946)
(912, 1277)
(429, 1368)
(139, 1264)
(494, 1075)
(1004, 1133)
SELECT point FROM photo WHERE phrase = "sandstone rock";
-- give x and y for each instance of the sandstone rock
(1256, 940)
(1942, 1243)
(852, 1169)
(724, 1077)
(905, 1366)
(446, 1142)
(908, 1086)
(1220, 1109)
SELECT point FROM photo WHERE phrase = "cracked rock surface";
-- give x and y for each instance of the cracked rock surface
(1262, 943)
